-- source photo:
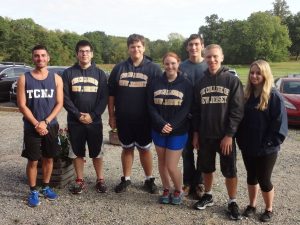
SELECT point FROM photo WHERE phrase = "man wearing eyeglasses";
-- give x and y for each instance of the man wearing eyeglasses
(85, 99)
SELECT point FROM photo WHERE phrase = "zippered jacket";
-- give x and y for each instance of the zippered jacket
(219, 104)
(85, 90)
(129, 84)
(170, 102)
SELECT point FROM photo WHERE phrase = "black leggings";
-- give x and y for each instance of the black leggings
(259, 170)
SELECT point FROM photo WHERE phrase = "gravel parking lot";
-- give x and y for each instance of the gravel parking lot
(134, 206)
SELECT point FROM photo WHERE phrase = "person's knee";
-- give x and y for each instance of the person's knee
(266, 186)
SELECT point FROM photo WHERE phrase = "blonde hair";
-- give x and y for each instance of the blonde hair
(266, 72)
(212, 46)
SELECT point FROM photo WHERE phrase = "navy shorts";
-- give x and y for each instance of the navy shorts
(170, 142)
(36, 146)
(80, 134)
(207, 158)
(133, 134)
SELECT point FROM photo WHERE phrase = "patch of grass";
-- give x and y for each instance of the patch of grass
(278, 69)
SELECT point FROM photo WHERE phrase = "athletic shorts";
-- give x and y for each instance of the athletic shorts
(82, 134)
(170, 142)
(207, 158)
(36, 146)
(133, 134)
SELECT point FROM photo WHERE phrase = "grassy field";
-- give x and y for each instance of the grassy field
(278, 69)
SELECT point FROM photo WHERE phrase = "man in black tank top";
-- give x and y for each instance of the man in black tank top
(40, 99)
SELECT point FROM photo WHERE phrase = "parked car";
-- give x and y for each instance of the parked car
(13, 89)
(8, 74)
(289, 87)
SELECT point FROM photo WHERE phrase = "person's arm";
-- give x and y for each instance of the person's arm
(235, 115)
(102, 95)
(156, 119)
(68, 103)
(112, 88)
(40, 126)
(111, 112)
(185, 108)
(278, 126)
(59, 99)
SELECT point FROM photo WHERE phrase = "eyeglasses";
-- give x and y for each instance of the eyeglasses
(84, 51)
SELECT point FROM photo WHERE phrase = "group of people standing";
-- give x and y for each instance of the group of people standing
(194, 106)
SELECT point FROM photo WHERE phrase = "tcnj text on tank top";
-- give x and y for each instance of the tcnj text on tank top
(40, 93)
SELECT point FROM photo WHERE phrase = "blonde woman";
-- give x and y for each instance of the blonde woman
(262, 130)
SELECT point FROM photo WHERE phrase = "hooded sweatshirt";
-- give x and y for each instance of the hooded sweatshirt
(219, 104)
(170, 102)
(129, 84)
(85, 90)
(261, 132)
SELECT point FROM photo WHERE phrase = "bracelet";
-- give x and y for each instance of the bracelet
(36, 125)
(46, 121)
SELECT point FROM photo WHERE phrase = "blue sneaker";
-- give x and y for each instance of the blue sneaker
(49, 193)
(33, 198)
(176, 198)
(165, 197)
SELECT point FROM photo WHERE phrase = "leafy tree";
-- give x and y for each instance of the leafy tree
(213, 31)
(97, 39)
(268, 37)
(293, 23)
(281, 9)
(157, 49)
(175, 43)
(21, 40)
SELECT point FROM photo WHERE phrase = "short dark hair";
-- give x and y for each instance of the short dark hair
(135, 38)
(82, 43)
(194, 36)
(39, 47)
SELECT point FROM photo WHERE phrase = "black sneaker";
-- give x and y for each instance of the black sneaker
(234, 212)
(249, 211)
(78, 187)
(150, 186)
(101, 186)
(266, 216)
(122, 187)
(205, 200)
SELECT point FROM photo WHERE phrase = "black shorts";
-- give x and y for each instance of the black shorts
(207, 158)
(36, 146)
(80, 134)
(134, 134)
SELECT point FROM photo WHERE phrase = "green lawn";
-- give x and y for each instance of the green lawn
(278, 69)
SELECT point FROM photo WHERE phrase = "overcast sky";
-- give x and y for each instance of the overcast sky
(154, 19)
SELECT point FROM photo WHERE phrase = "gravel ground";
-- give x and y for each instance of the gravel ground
(134, 206)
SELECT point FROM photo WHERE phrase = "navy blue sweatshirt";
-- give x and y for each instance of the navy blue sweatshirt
(262, 132)
(85, 90)
(170, 102)
(219, 104)
(129, 84)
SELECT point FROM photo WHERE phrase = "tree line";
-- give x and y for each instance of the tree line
(271, 35)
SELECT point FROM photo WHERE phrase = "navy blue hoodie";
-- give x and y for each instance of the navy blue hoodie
(170, 102)
(128, 84)
(85, 90)
(261, 132)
